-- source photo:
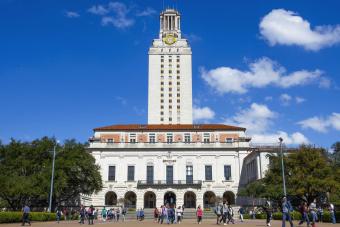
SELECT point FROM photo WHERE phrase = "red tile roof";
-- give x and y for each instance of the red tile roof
(174, 127)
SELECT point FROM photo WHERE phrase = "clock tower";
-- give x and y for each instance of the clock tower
(170, 74)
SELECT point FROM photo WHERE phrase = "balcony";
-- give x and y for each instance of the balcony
(142, 184)
(97, 144)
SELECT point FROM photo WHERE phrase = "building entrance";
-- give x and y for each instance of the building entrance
(170, 198)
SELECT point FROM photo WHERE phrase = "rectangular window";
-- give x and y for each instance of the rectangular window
(178, 95)
(189, 175)
(152, 138)
(170, 60)
(229, 140)
(227, 172)
(162, 71)
(178, 71)
(162, 66)
(169, 137)
(131, 173)
(112, 173)
(149, 174)
(162, 119)
(162, 107)
(162, 113)
(178, 77)
(169, 174)
(162, 60)
(162, 83)
(170, 118)
(208, 173)
(178, 83)
(187, 138)
(206, 138)
(132, 138)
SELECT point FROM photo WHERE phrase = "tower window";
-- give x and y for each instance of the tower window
(162, 82)
(170, 95)
(162, 107)
(162, 95)
(162, 66)
(178, 77)
(178, 101)
(162, 100)
(178, 60)
(170, 89)
(170, 60)
(162, 113)
(170, 71)
(170, 101)
(162, 119)
(177, 64)
(162, 60)
(162, 89)
(178, 71)
(162, 71)
(178, 107)
(178, 95)
(170, 107)
(170, 118)
(170, 83)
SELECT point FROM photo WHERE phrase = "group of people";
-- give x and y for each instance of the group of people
(315, 212)
(113, 214)
(306, 211)
(225, 213)
(171, 214)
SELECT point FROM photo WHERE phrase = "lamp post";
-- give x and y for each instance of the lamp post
(52, 179)
(283, 169)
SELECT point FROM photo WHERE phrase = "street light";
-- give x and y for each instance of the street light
(283, 169)
(52, 178)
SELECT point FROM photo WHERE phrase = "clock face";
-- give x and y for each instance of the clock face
(169, 39)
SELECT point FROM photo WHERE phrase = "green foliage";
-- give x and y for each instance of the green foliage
(295, 215)
(11, 217)
(25, 173)
(309, 174)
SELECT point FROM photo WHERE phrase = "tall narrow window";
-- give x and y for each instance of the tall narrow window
(187, 138)
(189, 174)
(131, 173)
(169, 137)
(132, 138)
(206, 138)
(149, 174)
(227, 172)
(112, 173)
(152, 137)
(208, 172)
(169, 174)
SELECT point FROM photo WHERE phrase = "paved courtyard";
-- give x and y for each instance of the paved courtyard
(185, 223)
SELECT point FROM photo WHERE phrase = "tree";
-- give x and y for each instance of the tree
(335, 156)
(25, 173)
(309, 175)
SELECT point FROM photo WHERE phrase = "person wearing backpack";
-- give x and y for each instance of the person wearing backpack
(304, 213)
(90, 212)
(268, 209)
(332, 213)
(286, 209)
(218, 213)
(241, 212)
(58, 215)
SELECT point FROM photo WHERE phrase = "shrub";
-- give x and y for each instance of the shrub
(260, 216)
(10, 217)
(246, 216)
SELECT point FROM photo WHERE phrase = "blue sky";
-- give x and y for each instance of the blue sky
(67, 67)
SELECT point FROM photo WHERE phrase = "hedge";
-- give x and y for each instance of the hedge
(10, 217)
(295, 215)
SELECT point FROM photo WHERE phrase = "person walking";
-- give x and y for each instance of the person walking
(90, 214)
(225, 211)
(58, 215)
(320, 213)
(179, 213)
(304, 213)
(332, 213)
(82, 214)
(286, 209)
(26, 215)
(155, 215)
(230, 214)
(268, 209)
(218, 213)
(141, 214)
(313, 212)
(104, 214)
(124, 211)
(241, 213)
(199, 214)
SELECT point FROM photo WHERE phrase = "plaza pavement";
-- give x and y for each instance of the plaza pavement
(147, 223)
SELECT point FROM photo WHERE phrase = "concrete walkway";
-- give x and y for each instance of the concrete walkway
(147, 223)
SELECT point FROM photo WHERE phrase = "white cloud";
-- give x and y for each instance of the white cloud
(299, 99)
(285, 27)
(322, 124)
(268, 98)
(204, 113)
(115, 13)
(258, 120)
(192, 37)
(72, 14)
(147, 12)
(294, 138)
(285, 99)
(263, 72)
(98, 10)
